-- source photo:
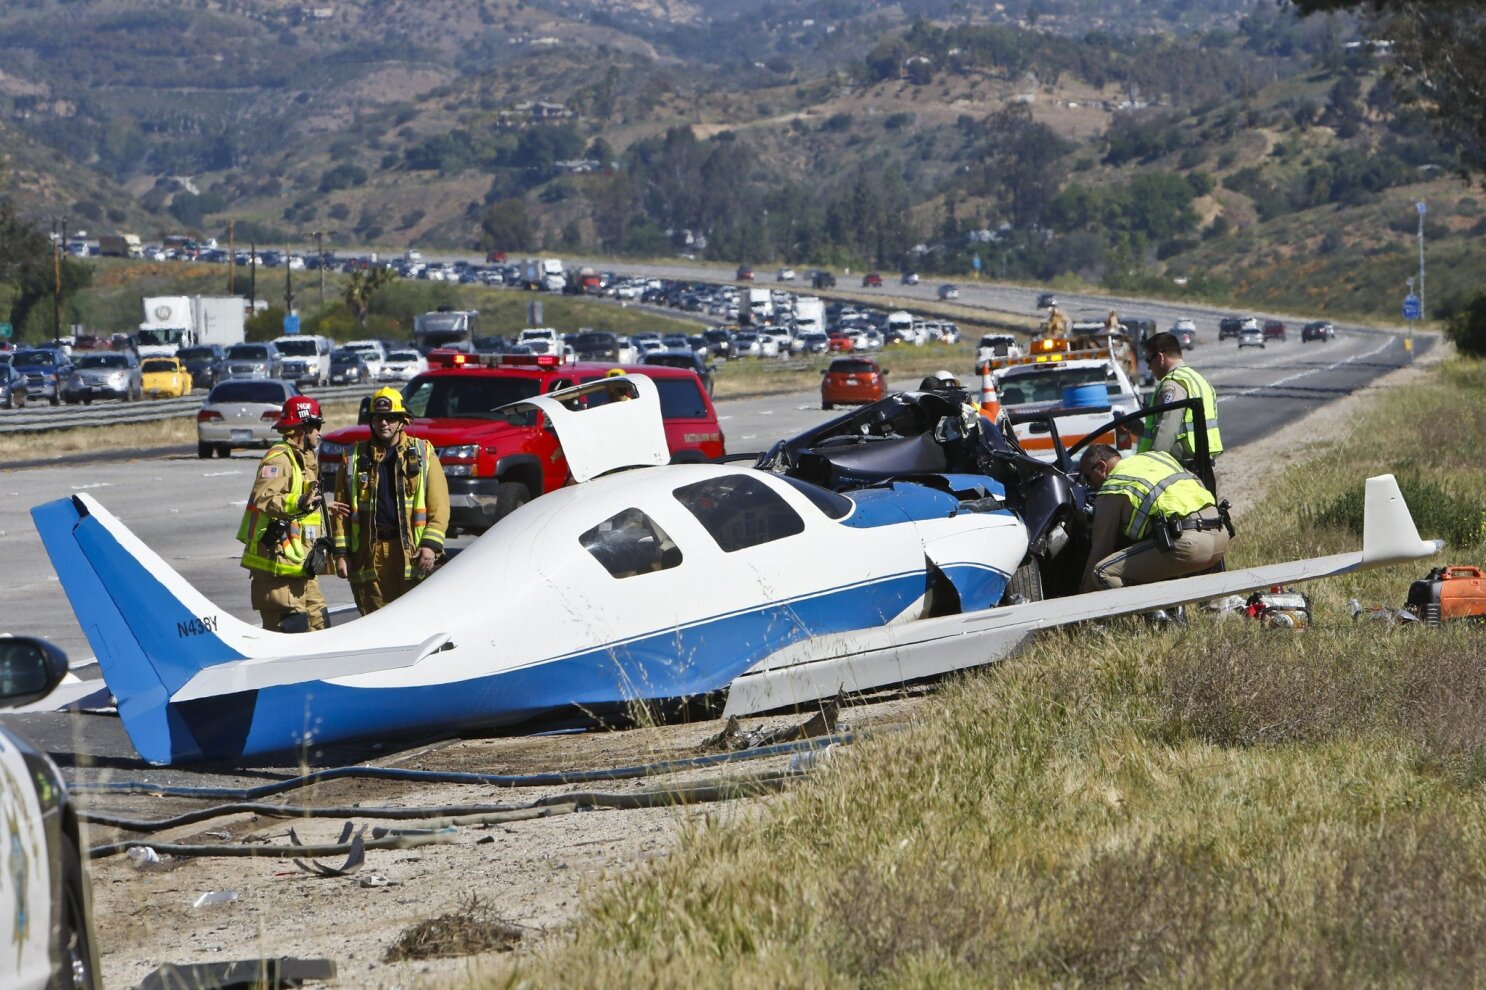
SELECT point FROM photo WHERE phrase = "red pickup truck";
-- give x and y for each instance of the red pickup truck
(494, 465)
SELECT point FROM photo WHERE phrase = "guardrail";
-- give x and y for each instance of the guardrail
(42, 419)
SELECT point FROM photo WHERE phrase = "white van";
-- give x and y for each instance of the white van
(306, 357)
(900, 324)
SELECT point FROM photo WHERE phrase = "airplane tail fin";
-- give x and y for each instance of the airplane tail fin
(1388, 532)
(151, 630)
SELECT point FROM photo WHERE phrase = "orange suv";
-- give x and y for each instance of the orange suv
(852, 380)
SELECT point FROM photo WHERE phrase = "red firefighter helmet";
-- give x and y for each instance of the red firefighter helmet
(298, 411)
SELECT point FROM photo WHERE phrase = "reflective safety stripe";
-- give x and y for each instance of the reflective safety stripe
(286, 558)
(414, 514)
(1156, 485)
(1197, 386)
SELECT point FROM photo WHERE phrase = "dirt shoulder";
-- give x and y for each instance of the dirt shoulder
(535, 873)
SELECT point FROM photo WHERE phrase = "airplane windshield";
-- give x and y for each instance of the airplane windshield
(739, 511)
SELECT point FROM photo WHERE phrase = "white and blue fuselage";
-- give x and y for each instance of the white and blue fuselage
(655, 583)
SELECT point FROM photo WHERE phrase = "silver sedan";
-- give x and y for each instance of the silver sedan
(241, 414)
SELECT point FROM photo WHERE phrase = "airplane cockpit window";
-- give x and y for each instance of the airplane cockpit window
(740, 511)
(631, 543)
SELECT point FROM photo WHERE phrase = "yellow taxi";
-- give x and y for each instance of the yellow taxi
(165, 378)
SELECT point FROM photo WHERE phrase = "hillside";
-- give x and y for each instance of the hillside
(1212, 143)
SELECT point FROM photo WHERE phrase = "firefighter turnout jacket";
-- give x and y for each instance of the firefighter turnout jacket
(421, 495)
(277, 502)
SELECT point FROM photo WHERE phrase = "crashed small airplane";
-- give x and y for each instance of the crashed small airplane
(643, 582)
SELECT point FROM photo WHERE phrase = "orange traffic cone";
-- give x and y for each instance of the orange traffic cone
(990, 402)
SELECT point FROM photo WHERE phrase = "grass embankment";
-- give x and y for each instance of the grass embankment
(1212, 806)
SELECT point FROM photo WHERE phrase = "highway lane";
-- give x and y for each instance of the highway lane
(187, 510)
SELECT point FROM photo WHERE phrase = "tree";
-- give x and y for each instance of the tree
(361, 287)
(505, 226)
(1467, 327)
(1439, 60)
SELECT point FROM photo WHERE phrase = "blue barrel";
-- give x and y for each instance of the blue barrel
(1092, 396)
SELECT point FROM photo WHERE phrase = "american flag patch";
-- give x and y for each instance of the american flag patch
(269, 471)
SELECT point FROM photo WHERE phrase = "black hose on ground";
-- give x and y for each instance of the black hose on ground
(445, 818)
(449, 777)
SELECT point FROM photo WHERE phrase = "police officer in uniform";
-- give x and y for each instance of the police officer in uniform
(1175, 432)
(283, 519)
(1153, 520)
(398, 503)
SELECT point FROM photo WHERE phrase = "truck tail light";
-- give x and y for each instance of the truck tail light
(208, 416)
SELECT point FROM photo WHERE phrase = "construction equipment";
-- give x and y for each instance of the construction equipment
(1450, 592)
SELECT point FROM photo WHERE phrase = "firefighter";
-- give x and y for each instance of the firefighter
(1175, 432)
(1153, 520)
(282, 522)
(398, 502)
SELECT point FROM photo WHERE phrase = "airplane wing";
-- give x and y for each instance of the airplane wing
(879, 657)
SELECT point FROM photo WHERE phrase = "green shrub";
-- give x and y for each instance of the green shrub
(1467, 327)
(1439, 512)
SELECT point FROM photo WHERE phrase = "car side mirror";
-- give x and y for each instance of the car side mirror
(884, 371)
(824, 372)
(29, 670)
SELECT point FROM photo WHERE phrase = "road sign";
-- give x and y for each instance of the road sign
(5, 331)
(1421, 207)
(975, 262)
(1411, 307)
(291, 323)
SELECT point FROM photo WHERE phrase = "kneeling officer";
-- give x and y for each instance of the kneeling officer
(1167, 520)
(284, 521)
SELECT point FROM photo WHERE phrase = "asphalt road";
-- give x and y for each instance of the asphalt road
(188, 509)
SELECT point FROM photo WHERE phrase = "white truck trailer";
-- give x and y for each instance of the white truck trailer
(173, 322)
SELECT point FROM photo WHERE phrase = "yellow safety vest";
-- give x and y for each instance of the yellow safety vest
(1156, 485)
(1196, 387)
(362, 496)
(286, 558)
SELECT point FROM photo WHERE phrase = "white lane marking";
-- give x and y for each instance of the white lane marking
(1240, 393)
(96, 484)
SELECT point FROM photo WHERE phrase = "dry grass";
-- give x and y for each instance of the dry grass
(472, 929)
(1215, 805)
